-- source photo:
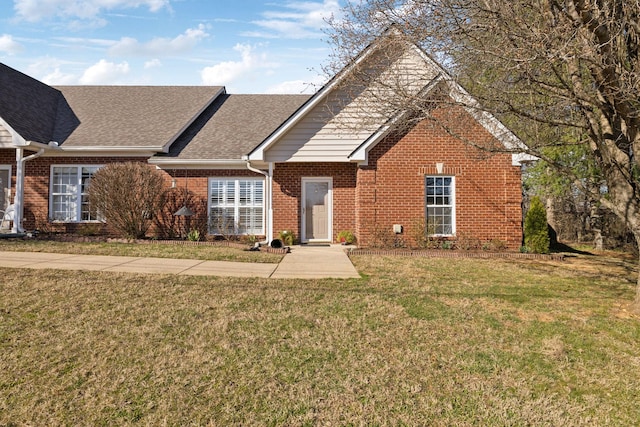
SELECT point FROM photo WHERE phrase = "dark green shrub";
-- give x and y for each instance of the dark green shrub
(536, 232)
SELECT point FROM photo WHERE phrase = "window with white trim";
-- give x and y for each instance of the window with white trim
(236, 206)
(440, 205)
(68, 200)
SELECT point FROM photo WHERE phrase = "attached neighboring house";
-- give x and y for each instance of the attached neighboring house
(265, 163)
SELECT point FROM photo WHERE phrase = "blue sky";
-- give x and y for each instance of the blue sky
(249, 46)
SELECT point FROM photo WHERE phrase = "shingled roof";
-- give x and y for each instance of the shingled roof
(134, 116)
(232, 126)
(28, 106)
(195, 123)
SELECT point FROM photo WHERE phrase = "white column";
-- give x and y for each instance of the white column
(18, 197)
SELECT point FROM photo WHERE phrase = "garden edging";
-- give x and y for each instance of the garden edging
(452, 254)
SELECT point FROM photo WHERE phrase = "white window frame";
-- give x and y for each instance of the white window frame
(451, 204)
(232, 188)
(76, 216)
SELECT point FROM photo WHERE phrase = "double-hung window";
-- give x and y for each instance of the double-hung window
(236, 206)
(440, 205)
(68, 201)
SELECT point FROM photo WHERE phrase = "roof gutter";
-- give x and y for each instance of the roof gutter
(161, 162)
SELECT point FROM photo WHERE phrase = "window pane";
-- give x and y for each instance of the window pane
(221, 221)
(64, 208)
(68, 193)
(250, 221)
(65, 180)
(217, 192)
(245, 193)
(236, 206)
(439, 205)
(229, 192)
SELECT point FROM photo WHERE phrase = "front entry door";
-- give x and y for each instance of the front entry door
(316, 209)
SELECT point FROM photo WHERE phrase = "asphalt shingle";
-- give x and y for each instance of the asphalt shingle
(28, 106)
(233, 125)
(133, 116)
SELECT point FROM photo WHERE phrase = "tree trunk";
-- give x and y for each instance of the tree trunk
(596, 226)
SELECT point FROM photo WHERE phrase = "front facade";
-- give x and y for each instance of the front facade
(260, 164)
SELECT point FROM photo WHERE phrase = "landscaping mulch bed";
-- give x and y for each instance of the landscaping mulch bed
(434, 253)
(225, 243)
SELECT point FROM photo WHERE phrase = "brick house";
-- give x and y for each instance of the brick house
(266, 163)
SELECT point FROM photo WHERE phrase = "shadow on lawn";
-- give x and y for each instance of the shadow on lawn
(564, 248)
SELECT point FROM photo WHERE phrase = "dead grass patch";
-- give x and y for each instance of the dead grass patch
(415, 342)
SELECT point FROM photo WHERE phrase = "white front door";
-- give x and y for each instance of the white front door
(317, 209)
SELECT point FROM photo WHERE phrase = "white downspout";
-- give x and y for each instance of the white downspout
(270, 197)
(268, 200)
(18, 200)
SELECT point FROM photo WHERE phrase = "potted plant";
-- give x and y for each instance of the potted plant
(287, 237)
(346, 237)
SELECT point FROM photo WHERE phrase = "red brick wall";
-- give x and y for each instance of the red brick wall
(487, 187)
(36, 188)
(287, 191)
(38, 172)
(390, 190)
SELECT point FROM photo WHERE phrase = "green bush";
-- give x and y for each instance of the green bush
(287, 237)
(193, 235)
(536, 232)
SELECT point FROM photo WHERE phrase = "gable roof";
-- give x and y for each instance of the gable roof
(421, 82)
(28, 108)
(230, 128)
(133, 117)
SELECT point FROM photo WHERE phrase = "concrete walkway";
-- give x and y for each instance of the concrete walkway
(304, 262)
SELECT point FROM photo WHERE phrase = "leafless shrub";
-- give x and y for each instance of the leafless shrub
(422, 232)
(127, 195)
(497, 245)
(223, 224)
(467, 242)
(171, 226)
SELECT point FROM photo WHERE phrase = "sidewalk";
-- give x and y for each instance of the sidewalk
(302, 263)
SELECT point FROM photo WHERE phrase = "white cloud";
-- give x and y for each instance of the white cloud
(104, 72)
(229, 71)
(49, 71)
(38, 10)
(57, 77)
(128, 46)
(152, 64)
(310, 86)
(8, 45)
(300, 19)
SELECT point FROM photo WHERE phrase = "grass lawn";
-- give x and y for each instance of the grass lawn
(201, 252)
(416, 341)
